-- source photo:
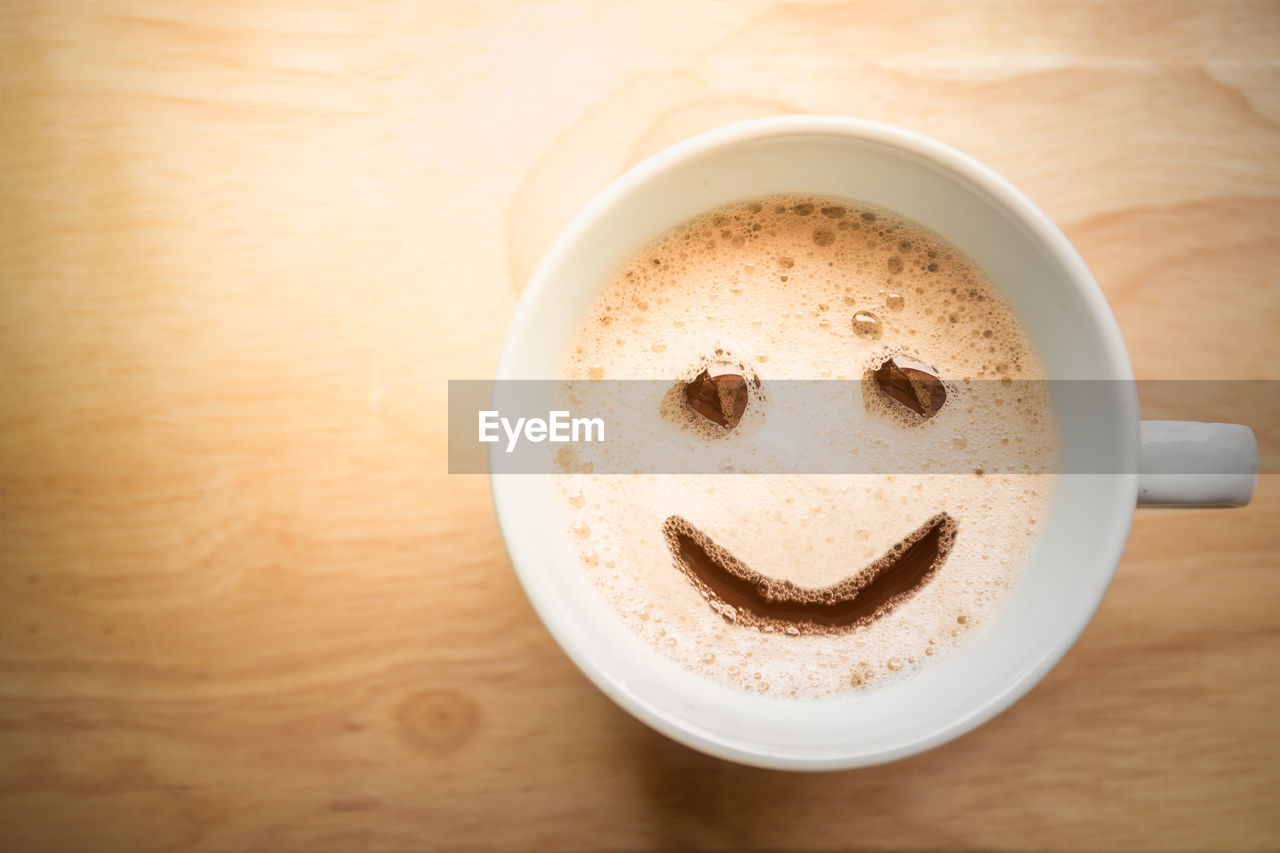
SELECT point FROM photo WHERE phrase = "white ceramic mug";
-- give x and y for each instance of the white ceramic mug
(1066, 317)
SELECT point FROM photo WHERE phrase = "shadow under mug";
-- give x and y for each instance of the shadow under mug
(1064, 314)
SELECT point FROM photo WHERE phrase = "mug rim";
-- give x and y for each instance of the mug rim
(951, 160)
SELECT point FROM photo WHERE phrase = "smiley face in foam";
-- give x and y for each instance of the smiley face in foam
(800, 583)
(717, 398)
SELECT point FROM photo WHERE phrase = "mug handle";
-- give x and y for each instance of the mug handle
(1188, 463)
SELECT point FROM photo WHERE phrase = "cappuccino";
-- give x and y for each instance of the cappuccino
(809, 584)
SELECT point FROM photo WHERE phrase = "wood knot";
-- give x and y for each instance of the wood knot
(438, 722)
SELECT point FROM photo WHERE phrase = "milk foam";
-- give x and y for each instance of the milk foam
(776, 283)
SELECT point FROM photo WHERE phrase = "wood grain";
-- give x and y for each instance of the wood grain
(242, 248)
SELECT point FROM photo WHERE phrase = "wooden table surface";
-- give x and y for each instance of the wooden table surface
(244, 245)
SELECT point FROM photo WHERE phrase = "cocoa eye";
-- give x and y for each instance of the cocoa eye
(716, 398)
(910, 384)
(719, 394)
